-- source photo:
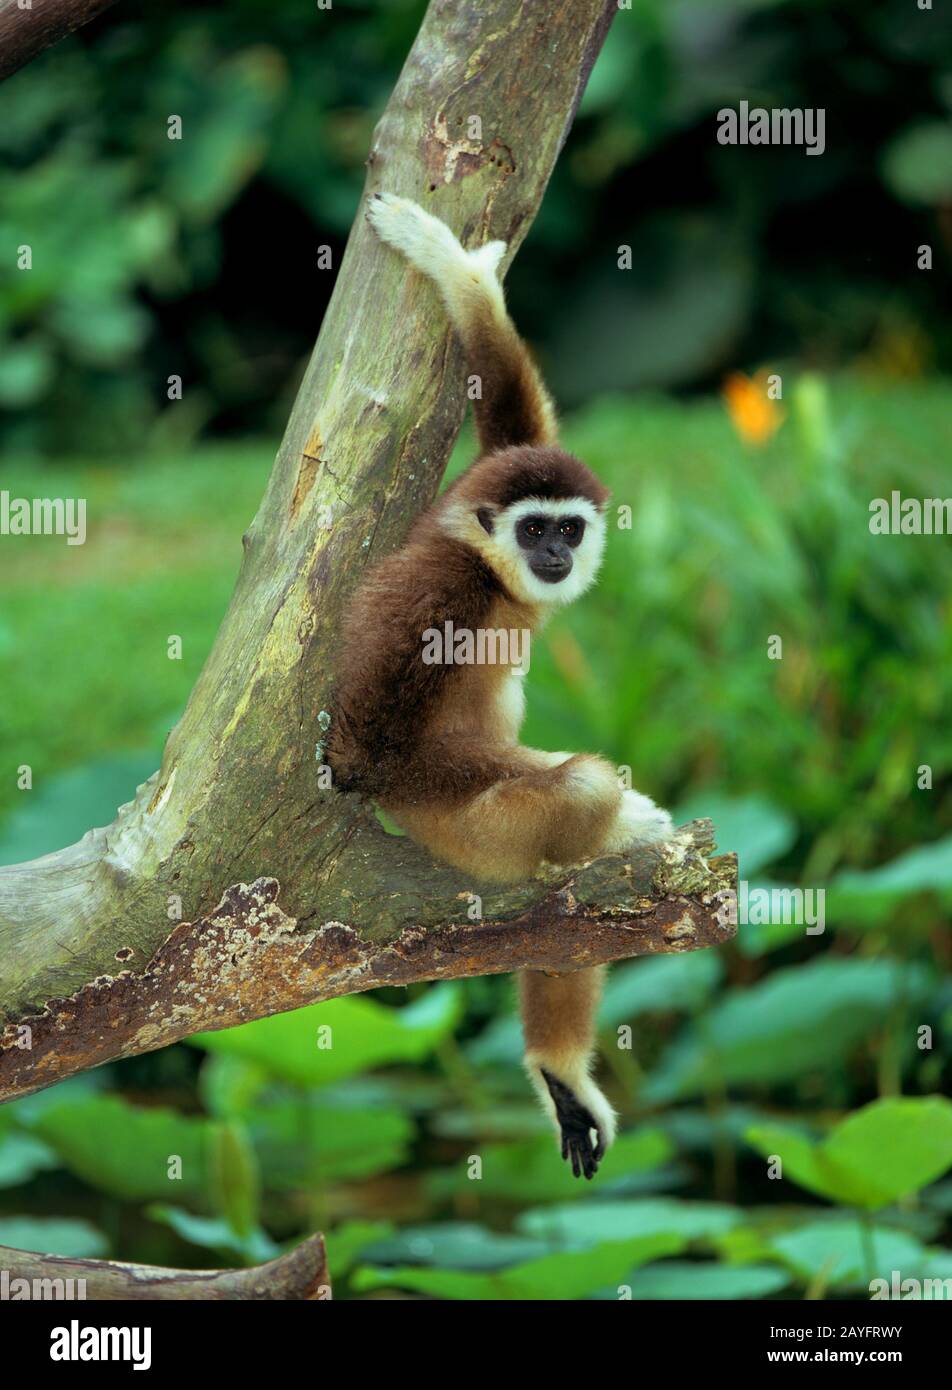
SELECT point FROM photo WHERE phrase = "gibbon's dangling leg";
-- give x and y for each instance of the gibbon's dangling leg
(516, 536)
(558, 1022)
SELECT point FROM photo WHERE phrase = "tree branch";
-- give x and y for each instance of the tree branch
(26, 32)
(247, 958)
(301, 1273)
(237, 799)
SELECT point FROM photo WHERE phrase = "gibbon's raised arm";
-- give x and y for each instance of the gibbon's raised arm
(513, 406)
(435, 742)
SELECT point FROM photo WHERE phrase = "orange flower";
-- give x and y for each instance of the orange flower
(755, 415)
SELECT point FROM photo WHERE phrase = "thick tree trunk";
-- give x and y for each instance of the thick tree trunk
(237, 797)
(29, 26)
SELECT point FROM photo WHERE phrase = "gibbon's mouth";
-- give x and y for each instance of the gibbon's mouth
(552, 572)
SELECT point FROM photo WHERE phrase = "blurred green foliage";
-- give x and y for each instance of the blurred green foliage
(197, 256)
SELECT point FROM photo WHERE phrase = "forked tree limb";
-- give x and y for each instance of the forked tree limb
(29, 26)
(472, 130)
(301, 1273)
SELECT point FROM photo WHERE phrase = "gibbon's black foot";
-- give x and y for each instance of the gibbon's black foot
(576, 1123)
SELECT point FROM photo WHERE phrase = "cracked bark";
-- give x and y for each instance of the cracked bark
(87, 961)
(248, 958)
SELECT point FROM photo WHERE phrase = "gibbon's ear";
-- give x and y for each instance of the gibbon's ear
(486, 516)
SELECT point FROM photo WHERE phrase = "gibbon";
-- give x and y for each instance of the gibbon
(435, 743)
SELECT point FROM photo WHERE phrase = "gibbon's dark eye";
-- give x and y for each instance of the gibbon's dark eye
(572, 529)
(534, 529)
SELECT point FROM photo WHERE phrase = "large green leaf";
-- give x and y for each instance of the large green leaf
(456, 1245)
(214, 1233)
(836, 1252)
(54, 1235)
(756, 829)
(324, 1042)
(559, 1276)
(584, 1223)
(684, 1279)
(887, 1150)
(307, 1144)
(803, 1019)
(22, 1155)
(870, 895)
(126, 1150)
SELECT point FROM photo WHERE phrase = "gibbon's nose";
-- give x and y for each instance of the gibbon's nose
(553, 561)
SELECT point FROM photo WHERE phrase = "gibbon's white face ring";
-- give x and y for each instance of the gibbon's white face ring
(586, 556)
(502, 551)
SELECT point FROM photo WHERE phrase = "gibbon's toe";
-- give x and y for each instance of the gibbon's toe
(577, 1124)
(639, 822)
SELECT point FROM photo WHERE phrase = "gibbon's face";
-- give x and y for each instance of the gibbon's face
(546, 552)
(548, 542)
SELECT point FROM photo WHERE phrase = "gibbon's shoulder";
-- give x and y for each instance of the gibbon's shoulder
(432, 578)
(384, 689)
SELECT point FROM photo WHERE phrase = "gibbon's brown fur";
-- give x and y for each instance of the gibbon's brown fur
(437, 745)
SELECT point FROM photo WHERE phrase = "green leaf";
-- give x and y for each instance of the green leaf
(456, 1245)
(917, 165)
(799, 1020)
(586, 1222)
(213, 1233)
(836, 1251)
(229, 1085)
(892, 1147)
(21, 1156)
(870, 895)
(55, 1235)
(223, 130)
(883, 1152)
(25, 371)
(353, 1239)
(682, 1279)
(234, 1177)
(756, 829)
(534, 1170)
(324, 1042)
(304, 1144)
(558, 1276)
(124, 1150)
